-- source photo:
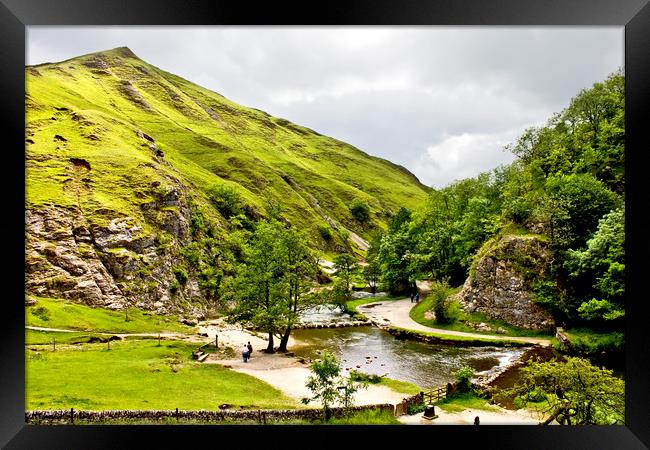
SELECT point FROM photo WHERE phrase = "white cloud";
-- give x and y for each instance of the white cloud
(463, 156)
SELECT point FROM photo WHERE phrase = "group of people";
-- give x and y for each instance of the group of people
(246, 351)
(415, 296)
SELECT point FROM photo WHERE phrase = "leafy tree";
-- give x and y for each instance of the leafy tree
(577, 392)
(328, 386)
(272, 284)
(372, 273)
(344, 265)
(599, 269)
(360, 211)
(444, 308)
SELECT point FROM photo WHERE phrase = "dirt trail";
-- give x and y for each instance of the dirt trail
(396, 313)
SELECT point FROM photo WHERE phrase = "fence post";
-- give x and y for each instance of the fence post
(216, 340)
(176, 414)
(71, 415)
(259, 416)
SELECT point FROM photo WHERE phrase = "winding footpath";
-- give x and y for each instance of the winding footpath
(395, 313)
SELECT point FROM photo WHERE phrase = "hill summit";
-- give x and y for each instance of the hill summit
(139, 184)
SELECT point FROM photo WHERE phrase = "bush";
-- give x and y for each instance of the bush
(355, 375)
(226, 199)
(445, 309)
(360, 211)
(415, 408)
(464, 377)
(325, 232)
(41, 312)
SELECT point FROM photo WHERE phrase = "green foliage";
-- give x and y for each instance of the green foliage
(41, 312)
(356, 375)
(464, 377)
(272, 285)
(345, 266)
(590, 342)
(226, 199)
(577, 392)
(326, 233)
(415, 408)
(360, 211)
(445, 309)
(181, 275)
(327, 386)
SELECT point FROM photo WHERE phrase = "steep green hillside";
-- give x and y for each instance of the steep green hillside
(138, 181)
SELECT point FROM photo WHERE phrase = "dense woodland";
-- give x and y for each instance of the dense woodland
(567, 185)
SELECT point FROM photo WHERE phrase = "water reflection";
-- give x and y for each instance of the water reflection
(375, 351)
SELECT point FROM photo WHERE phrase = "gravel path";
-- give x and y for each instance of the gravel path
(396, 313)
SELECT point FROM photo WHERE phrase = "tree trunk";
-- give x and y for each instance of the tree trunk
(269, 348)
(285, 340)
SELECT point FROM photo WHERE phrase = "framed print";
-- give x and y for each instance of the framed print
(367, 216)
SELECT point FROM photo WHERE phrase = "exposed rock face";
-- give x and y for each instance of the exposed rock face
(501, 285)
(109, 266)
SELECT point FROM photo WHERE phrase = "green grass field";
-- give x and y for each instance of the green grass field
(63, 314)
(462, 402)
(139, 374)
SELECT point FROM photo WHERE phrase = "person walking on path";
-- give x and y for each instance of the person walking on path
(250, 349)
(412, 296)
(245, 353)
(417, 297)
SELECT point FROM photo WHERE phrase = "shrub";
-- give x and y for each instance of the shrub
(464, 377)
(41, 312)
(181, 275)
(445, 309)
(360, 211)
(226, 199)
(325, 232)
(415, 408)
(355, 375)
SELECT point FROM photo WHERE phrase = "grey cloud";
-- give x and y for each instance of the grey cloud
(392, 92)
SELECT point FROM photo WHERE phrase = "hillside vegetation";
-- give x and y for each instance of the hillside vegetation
(544, 234)
(139, 184)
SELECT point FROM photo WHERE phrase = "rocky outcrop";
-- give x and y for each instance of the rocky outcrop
(501, 281)
(112, 265)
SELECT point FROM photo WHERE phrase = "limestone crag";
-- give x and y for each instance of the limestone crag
(501, 283)
(112, 265)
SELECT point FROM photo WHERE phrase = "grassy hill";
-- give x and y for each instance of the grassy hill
(135, 176)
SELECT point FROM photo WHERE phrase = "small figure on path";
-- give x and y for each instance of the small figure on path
(250, 349)
(417, 297)
(412, 296)
(244, 353)
(476, 421)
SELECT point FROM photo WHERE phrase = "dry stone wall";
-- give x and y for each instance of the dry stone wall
(69, 416)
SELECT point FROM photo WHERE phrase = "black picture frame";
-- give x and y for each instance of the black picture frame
(16, 15)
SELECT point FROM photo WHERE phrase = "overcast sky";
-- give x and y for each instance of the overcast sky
(441, 101)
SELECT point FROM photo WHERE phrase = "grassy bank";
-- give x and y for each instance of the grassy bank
(139, 374)
(459, 403)
(464, 319)
(402, 333)
(63, 314)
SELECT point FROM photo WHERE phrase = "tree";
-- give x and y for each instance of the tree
(576, 392)
(345, 264)
(372, 273)
(328, 386)
(226, 199)
(270, 287)
(360, 211)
